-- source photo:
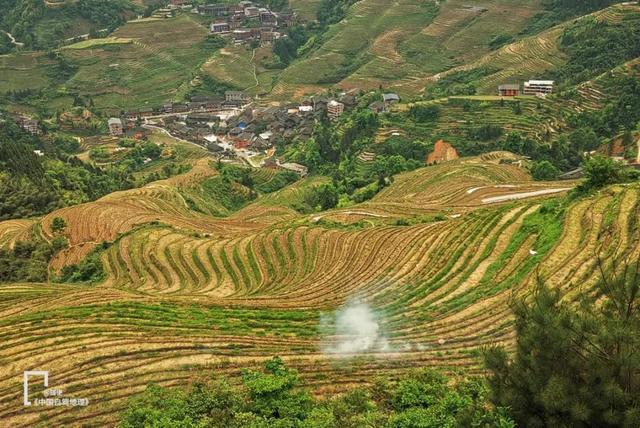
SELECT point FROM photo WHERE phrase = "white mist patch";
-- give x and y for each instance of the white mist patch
(356, 329)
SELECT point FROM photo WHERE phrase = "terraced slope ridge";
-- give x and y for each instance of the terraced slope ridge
(438, 254)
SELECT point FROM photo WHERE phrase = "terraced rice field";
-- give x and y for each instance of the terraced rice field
(531, 57)
(24, 71)
(190, 295)
(143, 62)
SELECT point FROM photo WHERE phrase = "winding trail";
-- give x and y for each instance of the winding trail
(13, 39)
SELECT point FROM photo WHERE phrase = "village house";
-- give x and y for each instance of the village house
(268, 37)
(180, 3)
(201, 119)
(285, 19)
(115, 126)
(272, 163)
(509, 90)
(252, 12)
(216, 9)
(389, 99)
(538, 87)
(442, 152)
(236, 97)
(376, 106)
(334, 109)
(301, 170)
(267, 17)
(146, 112)
(163, 13)
(242, 35)
(30, 125)
(219, 27)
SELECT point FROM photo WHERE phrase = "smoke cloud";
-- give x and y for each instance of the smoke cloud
(356, 328)
(353, 329)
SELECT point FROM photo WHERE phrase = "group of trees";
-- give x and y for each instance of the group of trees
(32, 185)
(275, 397)
(595, 46)
(28, 261)
(576, 364)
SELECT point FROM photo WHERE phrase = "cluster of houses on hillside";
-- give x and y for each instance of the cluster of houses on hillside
(198, 104)
(246, 22)
(540, 88)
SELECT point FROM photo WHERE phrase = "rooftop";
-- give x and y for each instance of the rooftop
(539, 82)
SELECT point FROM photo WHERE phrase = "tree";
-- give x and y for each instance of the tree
(58, 224)
(324, 197)
(424, 113)
(600, 171)
(151, 150)
(576, 364)
(544, 170)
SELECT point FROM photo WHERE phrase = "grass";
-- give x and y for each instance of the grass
(24, 71)
(93, 43)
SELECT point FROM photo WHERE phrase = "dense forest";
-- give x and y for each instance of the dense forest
(33, 184)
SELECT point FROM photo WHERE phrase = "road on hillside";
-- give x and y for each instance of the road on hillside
(13, 40)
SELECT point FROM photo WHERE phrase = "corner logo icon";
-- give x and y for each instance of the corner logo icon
(53, 396)
(25, 382)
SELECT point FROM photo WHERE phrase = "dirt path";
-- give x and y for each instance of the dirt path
(516, 196)
(13, 40)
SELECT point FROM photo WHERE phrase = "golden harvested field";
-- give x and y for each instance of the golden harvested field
(438, 254)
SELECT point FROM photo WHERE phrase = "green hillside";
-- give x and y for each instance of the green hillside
(44, 24)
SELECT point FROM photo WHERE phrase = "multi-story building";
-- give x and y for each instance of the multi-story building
(509, 90)
(538, 87)
(30, 125)
(115, 126)
(334, 109)
(236, 97)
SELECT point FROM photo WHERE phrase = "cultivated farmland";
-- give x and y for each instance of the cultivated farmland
(438, 254)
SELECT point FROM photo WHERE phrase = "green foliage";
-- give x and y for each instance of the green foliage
(600, 171)
(286, 48)
(31, 185)
(333, 11)
(38, 26)
(5, 44)
(274, 397)
(544, 170)
(500, 40)
(558, 11)
(595, 46)
(408, 149)
(229, 193)
(458, 83)
(321, 197)
(28, 261)
(211, 86)
(58, 224)
(621, 113)
(575, 364)
(485, 132)
(90, 269)
(424, 113)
